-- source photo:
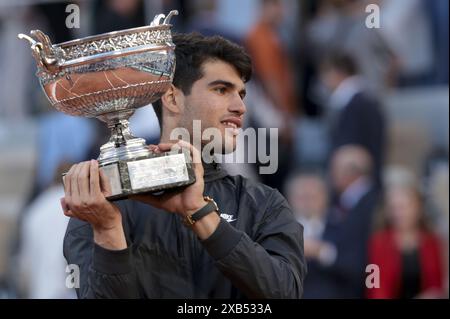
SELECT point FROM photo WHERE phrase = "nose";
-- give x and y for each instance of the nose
(237, 105)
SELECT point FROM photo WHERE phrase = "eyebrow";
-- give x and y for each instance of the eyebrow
(226, 84)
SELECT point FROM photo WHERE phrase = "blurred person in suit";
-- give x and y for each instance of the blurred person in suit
(341, 25)
(356, 116)
(308, 195)
(407, 252)
(338, 259)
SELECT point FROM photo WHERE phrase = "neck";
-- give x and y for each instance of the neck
(167, 130)
(165, 137)
(407, 231)
(407, 238)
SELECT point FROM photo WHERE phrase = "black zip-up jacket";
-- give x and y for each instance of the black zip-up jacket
(257, 253)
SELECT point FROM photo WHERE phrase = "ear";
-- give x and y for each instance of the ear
(173, 99)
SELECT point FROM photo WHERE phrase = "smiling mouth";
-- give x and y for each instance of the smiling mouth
(231, 128)
(230, 124)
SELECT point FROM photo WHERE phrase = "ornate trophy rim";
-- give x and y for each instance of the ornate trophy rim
(112, 34)
(115, 53)
(53, 58)
(73, 56)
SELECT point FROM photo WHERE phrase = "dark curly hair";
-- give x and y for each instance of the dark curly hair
(192, 50)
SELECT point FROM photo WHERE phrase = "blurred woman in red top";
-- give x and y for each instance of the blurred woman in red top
(408, 255)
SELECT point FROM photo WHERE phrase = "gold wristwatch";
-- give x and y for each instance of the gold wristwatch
(210, 207)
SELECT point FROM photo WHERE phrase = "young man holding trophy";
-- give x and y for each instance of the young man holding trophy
(210, 236)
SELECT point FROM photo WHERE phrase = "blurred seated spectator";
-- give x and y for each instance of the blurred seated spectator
(438, 16)
(340, 25)
(407, 253)
(437, 186)
(407, 29)
(439, 201)
(339, 258)
(409, 143)
(144, 124)
(114, 15)
(274, 73)
(308, 196)
(42, 267)
(205, 20)
(60, 138)
(271, 60)
(356, 116)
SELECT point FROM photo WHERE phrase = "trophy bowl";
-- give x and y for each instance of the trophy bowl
(109, 76)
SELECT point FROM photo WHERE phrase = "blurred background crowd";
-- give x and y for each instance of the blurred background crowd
(363, 126)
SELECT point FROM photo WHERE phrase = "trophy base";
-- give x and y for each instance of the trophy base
(133, 169)
(148, 174)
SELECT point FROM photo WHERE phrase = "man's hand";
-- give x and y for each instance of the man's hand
(86, 189)
(188, 200)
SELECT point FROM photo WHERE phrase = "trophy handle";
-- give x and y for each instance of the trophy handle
(47, 57)
(169, 16)
(157, 20)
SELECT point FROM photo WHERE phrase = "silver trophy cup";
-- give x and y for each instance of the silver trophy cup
(109, 76)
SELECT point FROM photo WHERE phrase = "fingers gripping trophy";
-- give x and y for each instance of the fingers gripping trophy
(109, 76)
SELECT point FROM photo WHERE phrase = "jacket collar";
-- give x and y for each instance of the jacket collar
(213, 171)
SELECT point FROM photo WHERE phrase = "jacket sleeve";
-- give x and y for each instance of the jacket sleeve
(102, 273)
(271, 265)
